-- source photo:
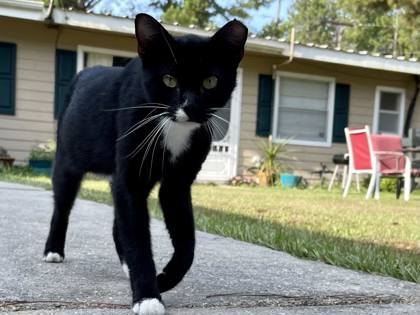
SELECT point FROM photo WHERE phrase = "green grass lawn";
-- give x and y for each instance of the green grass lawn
(375, 236)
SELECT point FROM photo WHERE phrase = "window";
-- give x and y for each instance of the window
(88, 56)
(304, 107)
(65, 70)
(7, 78)
(388, 114)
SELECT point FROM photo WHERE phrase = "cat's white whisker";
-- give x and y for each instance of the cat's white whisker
(145, 141)
(219, 108)
(151, 141)
(133, 107)
(221, 118)
(213, 131)
(217, 128)
(165, 141)
(156, 142)
(209, 132)
(140, 124)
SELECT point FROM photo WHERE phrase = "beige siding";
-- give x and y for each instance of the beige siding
(35, 74)
(363, 84)
(33, 121)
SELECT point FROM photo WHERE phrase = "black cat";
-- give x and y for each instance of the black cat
(145, 123)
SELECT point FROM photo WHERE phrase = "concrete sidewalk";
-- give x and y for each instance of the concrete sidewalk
(228, 277)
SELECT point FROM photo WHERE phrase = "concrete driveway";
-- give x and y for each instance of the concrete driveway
(228, 277)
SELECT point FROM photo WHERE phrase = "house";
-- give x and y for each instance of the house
(301, 92)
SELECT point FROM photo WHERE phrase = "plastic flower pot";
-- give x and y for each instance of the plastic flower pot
(289, 180)
(41, 166)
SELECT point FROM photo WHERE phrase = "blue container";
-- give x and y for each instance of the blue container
(289, 180)
(41, 166)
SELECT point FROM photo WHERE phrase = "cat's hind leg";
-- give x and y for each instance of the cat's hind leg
(118, 247)
(66, 184)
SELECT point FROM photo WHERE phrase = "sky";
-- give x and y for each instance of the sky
(257, 20)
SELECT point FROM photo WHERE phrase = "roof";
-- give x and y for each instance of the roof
(34, 10)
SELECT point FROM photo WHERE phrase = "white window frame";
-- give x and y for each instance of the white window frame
(82, 49)
(376, 110)
(330, 108)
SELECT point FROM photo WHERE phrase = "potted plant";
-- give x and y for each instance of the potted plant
(5, 159)
(268, 167)
(42, 156)
(288, 180)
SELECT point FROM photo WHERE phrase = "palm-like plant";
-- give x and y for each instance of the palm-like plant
(270, 164)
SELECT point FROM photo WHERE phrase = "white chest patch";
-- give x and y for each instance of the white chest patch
(177, 137)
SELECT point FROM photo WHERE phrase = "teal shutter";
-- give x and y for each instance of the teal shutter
(265, 105)
(7, 78)
(341, 112)
(65, 70)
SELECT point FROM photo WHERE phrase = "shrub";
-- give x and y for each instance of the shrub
(43, 151)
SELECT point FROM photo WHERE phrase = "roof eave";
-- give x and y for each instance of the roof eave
(125, 26)
(353, 59)
(23, 9)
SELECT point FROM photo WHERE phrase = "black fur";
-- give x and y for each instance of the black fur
(90, 126)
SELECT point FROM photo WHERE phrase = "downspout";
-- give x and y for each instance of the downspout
(48, 16)
(412, 105)
(291, 53)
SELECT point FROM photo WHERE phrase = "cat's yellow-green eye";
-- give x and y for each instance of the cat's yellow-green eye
(170, 81)
(210, 82)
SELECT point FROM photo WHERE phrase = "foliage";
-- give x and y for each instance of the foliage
(43, 151)
(383, 26)
(76, 4)
(387, 184)
(202, 12)
(270, 164)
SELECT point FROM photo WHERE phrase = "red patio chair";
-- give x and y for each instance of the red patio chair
(391, 161)
(361, 157)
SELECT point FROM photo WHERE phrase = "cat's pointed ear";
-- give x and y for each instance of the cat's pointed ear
(231, 38)
(152, 39)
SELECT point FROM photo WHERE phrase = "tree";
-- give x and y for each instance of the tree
(202, 13)
(76, 4)
(384, 26)
(311, 19)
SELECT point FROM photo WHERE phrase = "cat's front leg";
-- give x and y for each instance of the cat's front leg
(175, 200)
(132, 222)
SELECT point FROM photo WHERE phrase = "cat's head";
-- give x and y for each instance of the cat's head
(192, 75)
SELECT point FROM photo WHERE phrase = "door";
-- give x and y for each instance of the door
(221, 163)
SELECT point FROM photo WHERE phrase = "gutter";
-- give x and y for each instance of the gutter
(122, 25)
(48, 15)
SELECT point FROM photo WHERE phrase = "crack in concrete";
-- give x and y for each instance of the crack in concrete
(231, 300)
(245, 300)
(15, 306)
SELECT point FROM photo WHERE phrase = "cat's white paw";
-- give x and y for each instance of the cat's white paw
(126, 270)
(149, 307)
(53, 258)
